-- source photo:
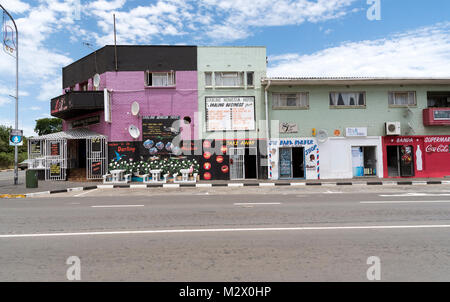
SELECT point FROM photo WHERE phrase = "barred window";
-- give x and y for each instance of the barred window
(290, 100)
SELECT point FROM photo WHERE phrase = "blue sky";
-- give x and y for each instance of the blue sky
(303, 38)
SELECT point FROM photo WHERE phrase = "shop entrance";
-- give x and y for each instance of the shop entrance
(292, 162)
(243, 163)
(364, 161)
(400, 161)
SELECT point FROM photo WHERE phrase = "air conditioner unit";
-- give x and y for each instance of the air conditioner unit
(393, 128)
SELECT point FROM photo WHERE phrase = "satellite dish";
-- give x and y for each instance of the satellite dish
(96, 80)
(135, 108)
(134, 131)
(322, 136)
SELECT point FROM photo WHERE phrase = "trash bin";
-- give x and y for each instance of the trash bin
(31, 179)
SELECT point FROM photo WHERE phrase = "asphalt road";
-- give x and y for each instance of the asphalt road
(229, 234)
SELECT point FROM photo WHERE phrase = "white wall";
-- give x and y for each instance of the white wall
(336, 156)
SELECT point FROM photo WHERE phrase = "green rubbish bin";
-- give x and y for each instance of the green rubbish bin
(31, 179)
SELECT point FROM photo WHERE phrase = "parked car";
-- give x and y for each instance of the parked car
(24, 165)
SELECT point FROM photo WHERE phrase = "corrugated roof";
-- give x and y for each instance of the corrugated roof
(79, 133)
(354, 80)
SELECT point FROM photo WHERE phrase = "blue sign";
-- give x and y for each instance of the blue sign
(16, 138)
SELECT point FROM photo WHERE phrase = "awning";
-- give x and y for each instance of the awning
(79, 133)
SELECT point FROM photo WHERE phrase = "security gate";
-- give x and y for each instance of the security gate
(237, 163)
(55, 157)
(96, 154)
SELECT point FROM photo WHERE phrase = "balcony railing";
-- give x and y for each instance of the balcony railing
(436, 116)
(76, 103)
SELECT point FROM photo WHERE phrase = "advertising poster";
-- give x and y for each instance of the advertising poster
(230, 113)
(158, 133)
(214, 162)
(123, 150)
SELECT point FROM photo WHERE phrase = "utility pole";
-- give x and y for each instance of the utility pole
(16, 151)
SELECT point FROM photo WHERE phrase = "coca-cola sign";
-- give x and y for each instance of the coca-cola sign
(441, 148)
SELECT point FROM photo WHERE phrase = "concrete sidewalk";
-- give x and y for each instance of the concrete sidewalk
(65, 186)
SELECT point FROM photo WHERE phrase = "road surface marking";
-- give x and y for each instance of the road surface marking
(255, 203)
(414, 194)
(84, 193)
(119, 206)
(332, 192)
(370, 227)
(405, 201)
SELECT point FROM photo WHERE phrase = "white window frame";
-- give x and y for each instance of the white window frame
(211, 75)
(392, 98)
(170, 78)
(226, 74)
(278, 96)
(336, 106)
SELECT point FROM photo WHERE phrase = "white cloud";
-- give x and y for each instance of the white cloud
(35, 108)
(50, 89)
(418, 53)
(15, 6)
(5, 101)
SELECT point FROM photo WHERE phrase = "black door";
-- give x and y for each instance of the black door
(250, 164)
(298, 162)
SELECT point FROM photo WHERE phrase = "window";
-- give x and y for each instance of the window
(290, 100)
(250, 78)
(84, 86)
(438, 99)
(161, 79)
(347, 99)
(229, 79)
(208, 78)
(407, 98)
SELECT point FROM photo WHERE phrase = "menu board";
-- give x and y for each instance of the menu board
(54, 149)
(230, 113)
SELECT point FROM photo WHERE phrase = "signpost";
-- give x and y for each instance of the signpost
(11, 47)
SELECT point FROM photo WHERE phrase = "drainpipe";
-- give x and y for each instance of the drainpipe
(266, 104)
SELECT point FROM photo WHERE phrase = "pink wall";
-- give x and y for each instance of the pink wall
(129, 86)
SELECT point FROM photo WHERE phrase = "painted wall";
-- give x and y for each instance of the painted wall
(129, 86)
(377, 111)
(211, 59)
(336, 156)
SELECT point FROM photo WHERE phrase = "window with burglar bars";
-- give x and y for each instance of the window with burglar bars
(402, 99)
(299, 100)
(229, 79)
(160, 79)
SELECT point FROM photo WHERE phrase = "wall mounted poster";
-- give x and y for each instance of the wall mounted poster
(54, 149)
(230, 113)
(55, 170)
(158, 132)
(96, 168)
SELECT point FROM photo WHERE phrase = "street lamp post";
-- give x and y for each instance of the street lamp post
(16, 151)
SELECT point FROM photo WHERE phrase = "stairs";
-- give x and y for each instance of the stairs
(76, 174)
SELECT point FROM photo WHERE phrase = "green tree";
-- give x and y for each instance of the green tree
(48, 125)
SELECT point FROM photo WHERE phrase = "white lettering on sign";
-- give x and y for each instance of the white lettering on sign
(441, 139)
(440, 148)
(404, 140)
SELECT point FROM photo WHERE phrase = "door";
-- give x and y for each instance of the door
(96, 157)
(392, 161)
(237, 163)
(406, 161)
(250, 163)
(298, 162)
(285, 162)
(357, 161)
(55, 159)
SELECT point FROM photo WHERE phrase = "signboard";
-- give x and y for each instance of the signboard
(122, 150)
(288, 127)
(96, 168)
(55, 170)
(230, 113)
(158, 132)
(356, 131)
(96, 145)
(437, 144)
(107, 105)
(59, 104)
(54, 149)
(35, 147)
(16, 138)
(441, 115)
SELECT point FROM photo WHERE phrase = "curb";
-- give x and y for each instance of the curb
(232, 185)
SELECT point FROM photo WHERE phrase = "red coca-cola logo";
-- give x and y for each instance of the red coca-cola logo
(440, 148)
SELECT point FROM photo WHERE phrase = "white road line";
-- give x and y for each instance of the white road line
(415, 194)
(84, 193)
(370, 227)
(404, 201)
(119, 206)
(255, 203)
